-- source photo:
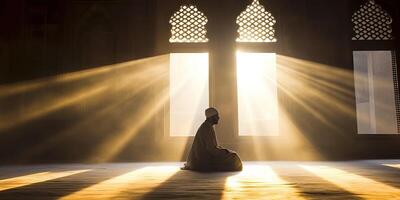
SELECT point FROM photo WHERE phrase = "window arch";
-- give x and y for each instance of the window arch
(188, 25)
(256, 24)
(189, 72)
(372, 22)
(256, 73)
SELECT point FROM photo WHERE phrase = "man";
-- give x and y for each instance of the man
(205, 154)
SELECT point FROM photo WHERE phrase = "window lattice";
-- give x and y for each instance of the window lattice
(256, 24)
(371, 22)
(188, 25)
(396, 89)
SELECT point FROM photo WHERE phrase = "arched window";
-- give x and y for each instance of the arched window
(188, 25)
(375, 71)
(372, 22)
(189, 72)
(256, 73)
(256, 24)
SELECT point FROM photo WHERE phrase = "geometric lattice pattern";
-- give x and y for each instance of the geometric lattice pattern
(256, 24)
(188, 25)
(371, 22)
(396, 89)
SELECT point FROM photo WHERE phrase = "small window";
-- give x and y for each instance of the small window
(188, 25)
(258, 113)
(189, 92)
(257, 94)
(256, 24)
(371, 22)
(375, 75)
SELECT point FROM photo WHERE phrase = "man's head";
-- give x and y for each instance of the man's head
(212, 115)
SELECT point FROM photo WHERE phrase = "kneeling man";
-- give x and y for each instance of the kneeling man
(205, 154)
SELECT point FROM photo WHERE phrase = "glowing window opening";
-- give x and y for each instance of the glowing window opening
(189, 92)
(256, 24)
(372, 22)
(188, 25)
(257, 94)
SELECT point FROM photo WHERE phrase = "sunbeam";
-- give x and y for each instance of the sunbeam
(305, 92)
(393, 165)
(11, 183)
(130, 185)
(258, 182)
(116, 103)
(134, 123)
(88, 85)
(306, 82)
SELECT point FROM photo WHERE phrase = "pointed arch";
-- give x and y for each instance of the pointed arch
(256, 24)
(188, 25)
(372, 22)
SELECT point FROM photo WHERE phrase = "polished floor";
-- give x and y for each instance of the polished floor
(370, 179)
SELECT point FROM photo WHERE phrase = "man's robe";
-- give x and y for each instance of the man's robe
(206, 155)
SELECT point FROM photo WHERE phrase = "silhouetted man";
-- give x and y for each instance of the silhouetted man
(205, 154)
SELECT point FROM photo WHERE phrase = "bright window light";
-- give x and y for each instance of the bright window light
(257, 94)
(189, 92)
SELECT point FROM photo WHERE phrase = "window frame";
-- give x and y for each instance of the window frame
(373, 45)
(182, 47)
(260, 47)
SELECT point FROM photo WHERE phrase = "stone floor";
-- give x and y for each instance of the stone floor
(370, 179)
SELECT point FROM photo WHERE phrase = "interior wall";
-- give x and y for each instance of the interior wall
(77, 89)
(74, 77)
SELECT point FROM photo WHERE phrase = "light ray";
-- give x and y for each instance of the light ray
(258, 182)
(76, 87)
(305, 83)
(105, 152)
(134, 123)
(21, 181)
(137, 182)
(393, 165)
(101, 94)
(29, 86)
(61, 102)
(100, 114)
(326, 72)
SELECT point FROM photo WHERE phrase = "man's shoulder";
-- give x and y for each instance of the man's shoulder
(205, 126)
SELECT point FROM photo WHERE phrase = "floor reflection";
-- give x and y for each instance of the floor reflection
(20, 181)
(360, 185)
(139, 181)
(257, 182)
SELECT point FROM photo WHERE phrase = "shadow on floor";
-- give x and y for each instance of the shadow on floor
(191, 185)
(375, 171)
(311, 186)
(63, 186)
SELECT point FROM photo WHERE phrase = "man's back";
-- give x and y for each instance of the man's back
(206, 155)
(199, 155)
